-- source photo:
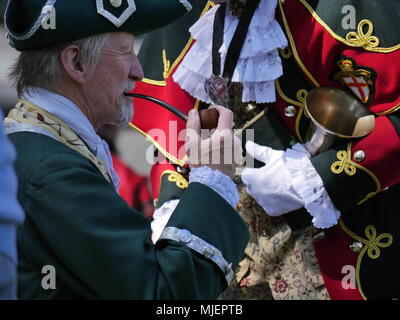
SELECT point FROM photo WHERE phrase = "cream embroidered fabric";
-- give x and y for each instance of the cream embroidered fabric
(278, 264)
(28, 113)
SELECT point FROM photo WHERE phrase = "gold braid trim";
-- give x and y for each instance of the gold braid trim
(294, 50)
(286, 53)
(372, 243)
(176, 178)
(361, 39)
(167, 64)
(354, 39)
(344, 164)
(349, 167)
(238, 132)
(180, 181)
(159, 147)
(391, 110)
(169, 156)
(159, 83)
(301, 95)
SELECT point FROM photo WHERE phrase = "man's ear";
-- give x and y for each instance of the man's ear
(69, 60)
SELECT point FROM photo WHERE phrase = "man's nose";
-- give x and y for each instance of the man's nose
(136, 71)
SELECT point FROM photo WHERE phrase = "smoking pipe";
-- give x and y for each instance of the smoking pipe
(208, 117)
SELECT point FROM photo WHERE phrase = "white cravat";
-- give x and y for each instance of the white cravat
(76, 120)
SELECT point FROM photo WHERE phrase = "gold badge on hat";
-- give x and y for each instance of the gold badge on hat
(116, 3)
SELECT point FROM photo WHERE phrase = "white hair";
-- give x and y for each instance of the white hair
(42, 67)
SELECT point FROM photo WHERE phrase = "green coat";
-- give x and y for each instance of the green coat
(99, 246)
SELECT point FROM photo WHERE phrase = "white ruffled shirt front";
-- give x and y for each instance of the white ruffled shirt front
(259, 64)
(258, 67)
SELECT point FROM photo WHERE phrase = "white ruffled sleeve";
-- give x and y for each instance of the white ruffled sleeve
(308, 184)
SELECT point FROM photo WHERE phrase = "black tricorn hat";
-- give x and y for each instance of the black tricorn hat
(34, 24)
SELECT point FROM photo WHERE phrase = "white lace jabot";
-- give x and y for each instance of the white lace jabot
(259, 62)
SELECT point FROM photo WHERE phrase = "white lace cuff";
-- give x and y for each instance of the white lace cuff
(308, 184)
(216, 180)
(161, 217)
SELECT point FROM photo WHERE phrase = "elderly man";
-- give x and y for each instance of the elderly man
(80, 239)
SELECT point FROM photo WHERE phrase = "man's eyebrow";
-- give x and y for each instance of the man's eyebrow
(119, 50)
(124, 46)
(120, 46)
(124, 49)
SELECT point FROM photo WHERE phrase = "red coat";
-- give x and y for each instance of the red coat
(318, 56)
(326, 59)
